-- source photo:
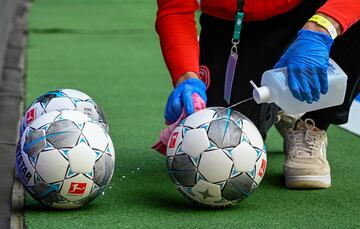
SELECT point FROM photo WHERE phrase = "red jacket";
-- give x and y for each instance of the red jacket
(181, 52)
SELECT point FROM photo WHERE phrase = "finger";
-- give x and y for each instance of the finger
(301, 73)
(167, 109)
(168, 115)
(176, 108)
(315, 92)
(323, 79)
(313, 80)
(187, 101)
(294, 85)
(305, 89)
(202, 94)
(171, 110)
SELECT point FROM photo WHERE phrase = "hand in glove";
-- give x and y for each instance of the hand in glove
(307, 61)
(182, 98)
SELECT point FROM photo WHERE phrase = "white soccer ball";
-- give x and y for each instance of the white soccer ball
(63, 99)
(216, 157)
(65, 159)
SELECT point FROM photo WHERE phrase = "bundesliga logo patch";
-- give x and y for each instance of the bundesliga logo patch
(77, 188)
(30, 116)
(173, 140)
(262, 168)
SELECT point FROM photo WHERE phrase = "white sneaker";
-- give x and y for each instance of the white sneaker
(305, 151)
(285, 122)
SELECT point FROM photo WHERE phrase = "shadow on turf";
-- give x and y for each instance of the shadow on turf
(174, 201)
(55, 30)
(178, 203)
(154, 196)
(274, 177)
(34, 206)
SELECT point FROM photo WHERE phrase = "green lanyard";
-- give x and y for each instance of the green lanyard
(233, 57)
(238, 22)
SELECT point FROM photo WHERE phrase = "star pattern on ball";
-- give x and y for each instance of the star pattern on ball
(206, 194)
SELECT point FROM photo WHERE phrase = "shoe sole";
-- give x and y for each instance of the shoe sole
(308, 182)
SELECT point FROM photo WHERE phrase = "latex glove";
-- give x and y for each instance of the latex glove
(307, 61)
(181, 98)
(165, 135)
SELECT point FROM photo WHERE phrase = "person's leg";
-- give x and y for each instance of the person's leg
(261, 45)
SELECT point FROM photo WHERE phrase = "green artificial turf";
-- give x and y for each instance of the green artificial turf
(109, 49)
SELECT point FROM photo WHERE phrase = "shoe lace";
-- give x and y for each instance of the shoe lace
(305, 141)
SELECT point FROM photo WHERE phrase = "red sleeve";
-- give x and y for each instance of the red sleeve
(346, 12)
(176, 26)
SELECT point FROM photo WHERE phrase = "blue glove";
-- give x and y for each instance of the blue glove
(181, 97)
(307, 61)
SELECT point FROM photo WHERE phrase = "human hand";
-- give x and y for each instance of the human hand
(182, 98)
(307, 61)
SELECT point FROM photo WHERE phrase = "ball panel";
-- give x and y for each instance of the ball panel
(252, 134)
(44, 119)
(81, 158)
(45, 98)
(206, 192)
(96, 136)
(235, 116)
(244, 157)
(242, 183)
(46, 193)
(63, 133)
(195, 142)
(103, 169)
(51, 166)
(224, 133)
(24, 169)
(183, 170)
(232, 193)
(76, 188)
(215, 166)
(51, 198)
(110, 149)
(260, 168)
(60, 103)
(88, 109)
(95, 192)
(75, 116)
(35, 142)
(35, 110)
(174, 141)
(199, 118)
(75, 94)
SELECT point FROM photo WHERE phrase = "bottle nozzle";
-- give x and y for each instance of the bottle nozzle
(260, 94)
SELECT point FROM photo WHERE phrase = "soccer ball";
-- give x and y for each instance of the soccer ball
(63, 99)
(216, 157)
(65, 159)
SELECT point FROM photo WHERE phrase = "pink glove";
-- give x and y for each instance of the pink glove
(160, 145)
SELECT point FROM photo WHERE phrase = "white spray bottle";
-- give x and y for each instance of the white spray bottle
(274, 89)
